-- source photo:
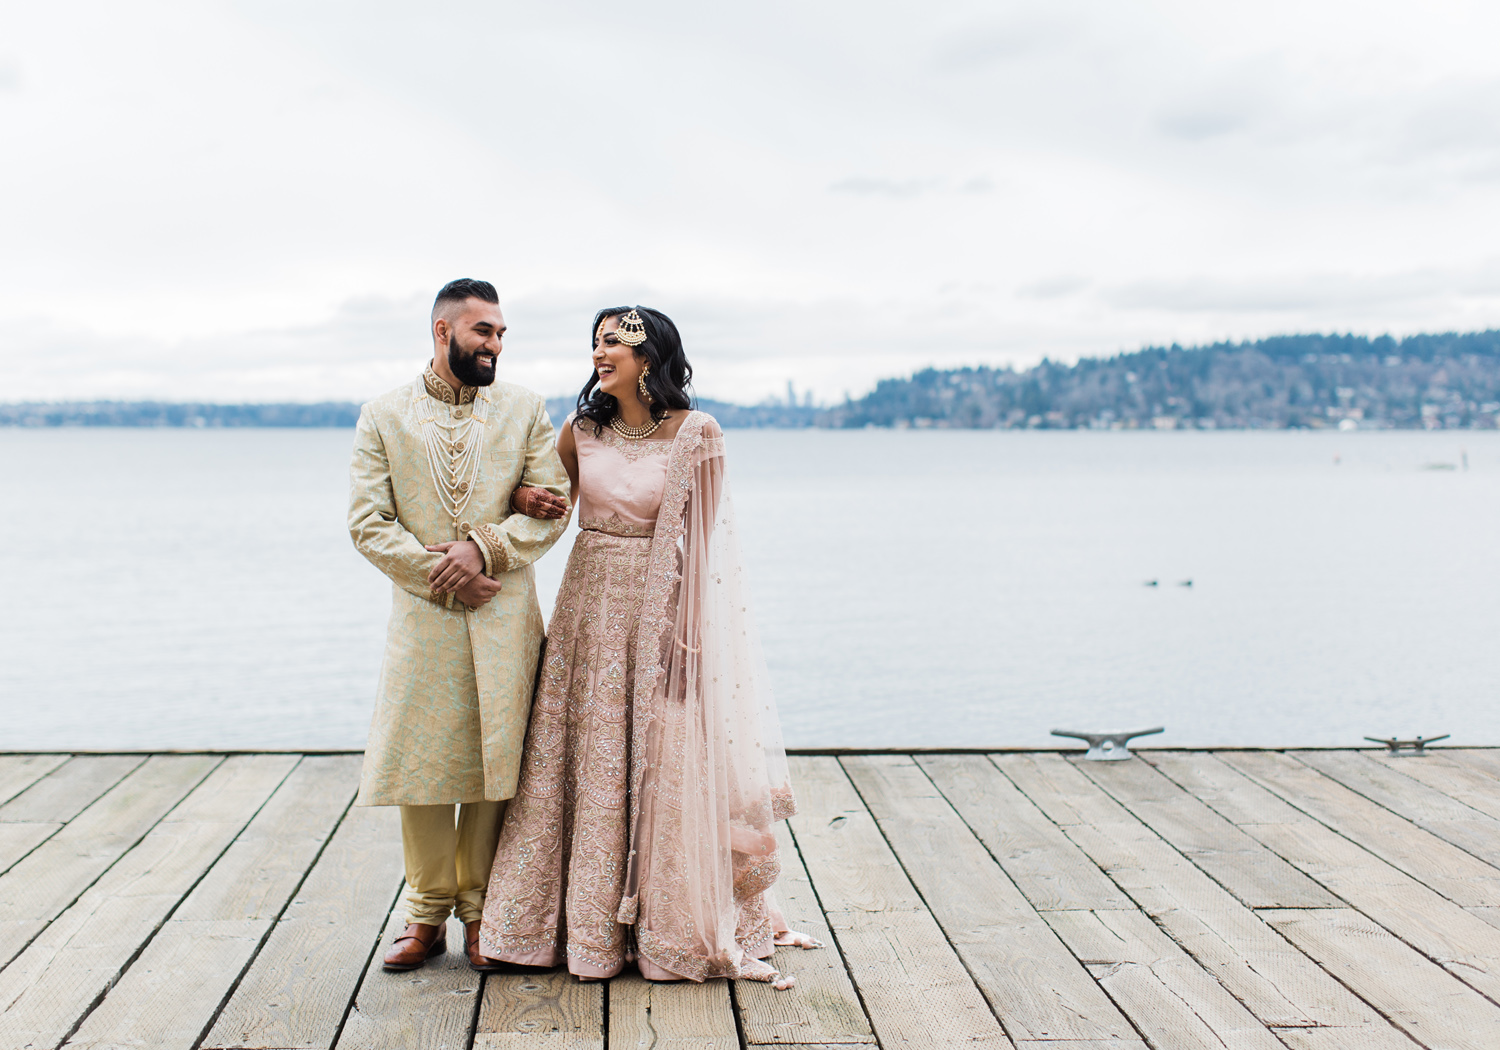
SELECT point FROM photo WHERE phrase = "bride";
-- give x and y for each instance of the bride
(653, 768)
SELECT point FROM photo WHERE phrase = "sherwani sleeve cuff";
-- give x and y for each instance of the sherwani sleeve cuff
(492, 545)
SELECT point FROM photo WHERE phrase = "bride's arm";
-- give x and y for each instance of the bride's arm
(538, 502)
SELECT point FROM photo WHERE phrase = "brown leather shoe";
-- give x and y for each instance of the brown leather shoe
(481, 962)
(414, 947)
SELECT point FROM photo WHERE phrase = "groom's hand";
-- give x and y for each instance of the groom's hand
(478, 591)
(461, 562)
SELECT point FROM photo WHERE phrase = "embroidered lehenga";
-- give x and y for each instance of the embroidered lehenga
(653, 767)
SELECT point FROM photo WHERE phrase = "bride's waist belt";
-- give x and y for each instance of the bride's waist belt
(616, 527)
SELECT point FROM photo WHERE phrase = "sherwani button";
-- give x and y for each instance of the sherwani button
(465, 528)
(458, 446)
(463, 486)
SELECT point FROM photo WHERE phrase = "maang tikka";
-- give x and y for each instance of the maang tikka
(632, 330)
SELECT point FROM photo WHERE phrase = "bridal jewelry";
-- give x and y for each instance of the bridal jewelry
(632, 330)
(635, 433)
(641, 383)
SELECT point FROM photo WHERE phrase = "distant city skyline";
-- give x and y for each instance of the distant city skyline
(256, 202)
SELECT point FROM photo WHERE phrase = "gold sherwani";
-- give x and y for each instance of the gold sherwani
(455, 687)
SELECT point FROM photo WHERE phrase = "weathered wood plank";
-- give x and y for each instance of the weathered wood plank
(18, 772)
(540, 1011)
(69, 789)
(296, 991)
(271, 856)
(1277, 983)
(1337, 1039)
(823, 1008)
(1420, 998)
(1233, 796)
(1465, 944)
(52, 876)
(432, 1008)
(1043, 863)
(1047, 1044)
(915, 990)
(50, 985)
(683, 1015)
(1382, 782)
(1444, 867)
(1484, 759)
(56, 793)
(1454, 778)
(170, 994)
(1244, 867)
(1171, 999)
(17, 840)
(1032, 982)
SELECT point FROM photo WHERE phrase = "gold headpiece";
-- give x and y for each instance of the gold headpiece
(632, 330)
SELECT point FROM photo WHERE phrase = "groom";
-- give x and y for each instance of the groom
(436, 462)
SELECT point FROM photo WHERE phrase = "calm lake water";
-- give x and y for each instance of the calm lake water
(182, 589)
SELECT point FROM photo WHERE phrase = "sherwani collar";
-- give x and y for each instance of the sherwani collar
(439, 388)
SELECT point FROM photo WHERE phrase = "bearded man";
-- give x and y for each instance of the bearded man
(436, 463)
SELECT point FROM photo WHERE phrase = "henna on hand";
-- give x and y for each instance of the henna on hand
(537, 502)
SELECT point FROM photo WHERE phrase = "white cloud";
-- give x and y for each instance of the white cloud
(259, 200)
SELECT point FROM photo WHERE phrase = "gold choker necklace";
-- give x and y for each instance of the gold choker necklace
(635, 433)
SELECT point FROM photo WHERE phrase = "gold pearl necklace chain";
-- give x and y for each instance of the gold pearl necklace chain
(635, 433)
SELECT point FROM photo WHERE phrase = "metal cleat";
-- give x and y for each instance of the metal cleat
(1107, 747)
(1414, 748)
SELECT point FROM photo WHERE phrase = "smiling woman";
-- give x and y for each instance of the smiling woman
(641, 374)
(653, 772)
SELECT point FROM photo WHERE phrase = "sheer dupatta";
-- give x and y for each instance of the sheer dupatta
(708, 770)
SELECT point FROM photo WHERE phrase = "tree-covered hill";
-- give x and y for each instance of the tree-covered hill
(1433, 381)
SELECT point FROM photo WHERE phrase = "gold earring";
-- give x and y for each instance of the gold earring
(641, 383)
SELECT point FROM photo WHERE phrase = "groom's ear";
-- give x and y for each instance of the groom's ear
(442, 328)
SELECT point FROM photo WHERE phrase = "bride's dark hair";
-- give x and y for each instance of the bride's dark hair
(671, 376)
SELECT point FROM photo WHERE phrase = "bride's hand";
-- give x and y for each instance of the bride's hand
(538, 503)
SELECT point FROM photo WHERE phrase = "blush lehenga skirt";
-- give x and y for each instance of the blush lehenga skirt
(559, 874)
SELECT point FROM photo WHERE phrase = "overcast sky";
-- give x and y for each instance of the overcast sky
(258, 201)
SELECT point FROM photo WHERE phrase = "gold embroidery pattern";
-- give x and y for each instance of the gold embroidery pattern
(615, 526)
(439, 388)
(489, 540)
(563, 848)
(664, 930)
(643, 448)
(556, 892)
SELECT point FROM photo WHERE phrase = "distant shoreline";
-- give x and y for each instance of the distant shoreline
(342, 415)
(1449, 381)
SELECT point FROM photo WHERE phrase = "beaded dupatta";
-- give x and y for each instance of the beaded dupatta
(702, 849)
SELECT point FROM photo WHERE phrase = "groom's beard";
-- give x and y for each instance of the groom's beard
(466, 367)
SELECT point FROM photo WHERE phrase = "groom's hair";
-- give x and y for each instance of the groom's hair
(463, 289)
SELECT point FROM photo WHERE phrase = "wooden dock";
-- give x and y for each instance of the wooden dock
(1317, 900)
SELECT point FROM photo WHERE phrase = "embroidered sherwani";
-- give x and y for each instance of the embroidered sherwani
(455, 687)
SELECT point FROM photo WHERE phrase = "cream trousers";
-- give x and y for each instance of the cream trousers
(447, 867)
